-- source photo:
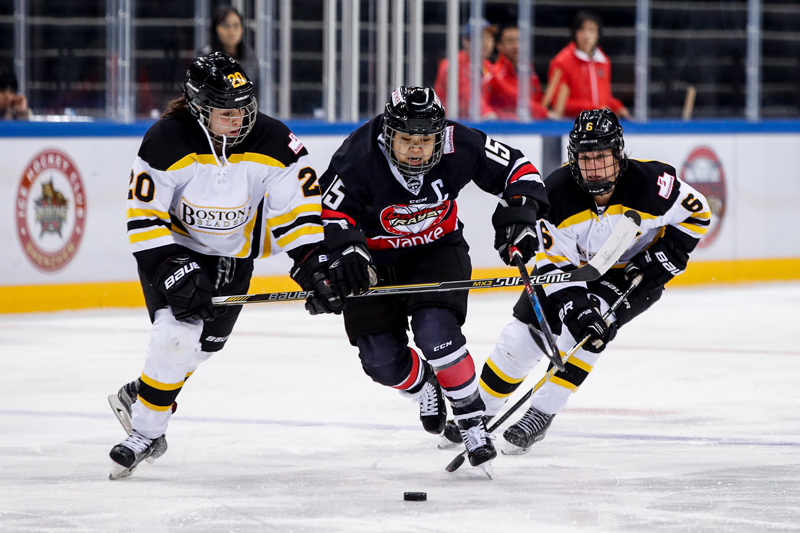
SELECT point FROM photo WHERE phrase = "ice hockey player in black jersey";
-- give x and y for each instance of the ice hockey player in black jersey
(588, 197)
(390, 204)
(215, 185)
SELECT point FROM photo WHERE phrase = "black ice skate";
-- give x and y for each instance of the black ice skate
(127, 455)
(530, 429)
(478, 441)
(121, 403)
(432, 408)
(451, 436)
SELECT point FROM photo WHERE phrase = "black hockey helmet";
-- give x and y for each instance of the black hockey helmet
(596, 130)
(217, 81)
(414, 111)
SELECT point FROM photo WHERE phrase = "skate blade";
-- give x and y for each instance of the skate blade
(488, 469)
(121, 413)
(511, 449)
(447, 444)
(119, 471)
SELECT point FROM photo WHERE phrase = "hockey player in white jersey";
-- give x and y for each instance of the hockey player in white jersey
(215, 185)
(588, 198)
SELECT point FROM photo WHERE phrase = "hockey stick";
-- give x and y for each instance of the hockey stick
(614, 247)
(549, 346)
(458, 460)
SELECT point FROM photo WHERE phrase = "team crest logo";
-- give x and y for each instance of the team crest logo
(413, 219)
(50, 210)
(703, 171)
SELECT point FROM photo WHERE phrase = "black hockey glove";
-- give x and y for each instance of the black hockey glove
(350, 262)
(187, 288)
(658, 264)
(311, 273)
(514, 222)
(581, 316)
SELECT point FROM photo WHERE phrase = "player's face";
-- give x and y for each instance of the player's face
(508, 44)
(412, 150)
(598, 166)
(226, 121)
(587, 35)
(230, 31)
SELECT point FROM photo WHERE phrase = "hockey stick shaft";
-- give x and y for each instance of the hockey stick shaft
(615, 246)
(458, 460)
(550, 349)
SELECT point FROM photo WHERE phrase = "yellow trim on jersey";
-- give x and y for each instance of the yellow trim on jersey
(574, 220)
(161, 386)
(248, 236)
(147, 213)
(299, 232)
(203, 159)
(555, 380)
(583, 365)
(694, 228)
(279, 220)
(154, 233)
(256, 158)
(502, 375)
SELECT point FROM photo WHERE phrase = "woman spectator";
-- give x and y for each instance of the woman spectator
(580, 74)
(227, 32)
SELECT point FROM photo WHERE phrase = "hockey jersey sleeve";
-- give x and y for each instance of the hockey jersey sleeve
(150, 193)
(292, 207)
(506, 171)
(687, 220)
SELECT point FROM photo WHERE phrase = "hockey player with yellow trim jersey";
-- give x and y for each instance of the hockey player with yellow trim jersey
(588, 197)
(215, 185)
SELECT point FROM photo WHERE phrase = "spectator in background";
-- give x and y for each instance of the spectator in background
(13, 106)
(579, 77)
(487, 48)
(502, 85)
(227, 35)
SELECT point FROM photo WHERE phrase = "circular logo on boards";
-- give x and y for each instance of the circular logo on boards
(703, 171)
(50, 210)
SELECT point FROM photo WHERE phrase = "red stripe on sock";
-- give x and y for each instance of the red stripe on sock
(458, 374)
(412, 376)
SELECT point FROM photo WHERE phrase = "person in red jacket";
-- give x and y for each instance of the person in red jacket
(440, 85)
(580, 74)
(502, 83)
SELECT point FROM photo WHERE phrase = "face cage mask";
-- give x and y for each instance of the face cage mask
(406, 169)
(597, 187)
(208, 116)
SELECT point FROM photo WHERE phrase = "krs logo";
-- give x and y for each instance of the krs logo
(414, 219)
(180, 274)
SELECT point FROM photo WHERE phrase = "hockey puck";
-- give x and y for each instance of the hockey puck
(415, 496)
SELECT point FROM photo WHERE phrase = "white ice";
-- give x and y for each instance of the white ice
(690, 422)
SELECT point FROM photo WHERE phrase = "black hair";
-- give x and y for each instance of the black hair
(584, 16)
(220, 14)
(8, 80)
(504, 27)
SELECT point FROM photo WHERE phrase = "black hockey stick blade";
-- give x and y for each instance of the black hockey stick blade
(615, 246)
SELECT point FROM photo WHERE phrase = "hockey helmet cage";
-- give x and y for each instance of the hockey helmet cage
(596, 130)
(414, 111)
(217, 81)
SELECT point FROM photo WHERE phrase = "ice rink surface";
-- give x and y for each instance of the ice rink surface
(690, 422)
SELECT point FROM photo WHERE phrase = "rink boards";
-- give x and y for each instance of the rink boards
(65, 246)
